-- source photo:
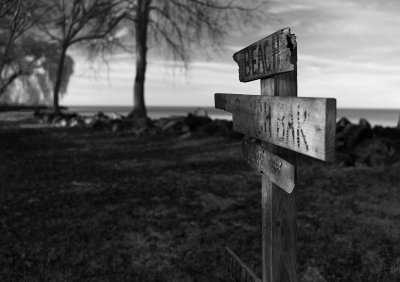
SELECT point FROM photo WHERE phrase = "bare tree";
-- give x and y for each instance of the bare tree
(70, 22)
(14, 22)
(180, 25)
(30, 72)
(26, 60)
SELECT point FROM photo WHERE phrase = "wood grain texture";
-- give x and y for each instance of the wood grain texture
(279, 229)
(237, 269)
(277, 169)
(274, 54)
(304, 125)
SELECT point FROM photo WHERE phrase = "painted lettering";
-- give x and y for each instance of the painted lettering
(266, 124)
(290, 127)
(253, 59)
(261, 62)
(266, 60)
(301, 118)
(280, 125)
(275, 52)
(247, 62)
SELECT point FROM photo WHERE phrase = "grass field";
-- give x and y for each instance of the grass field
(78, 205)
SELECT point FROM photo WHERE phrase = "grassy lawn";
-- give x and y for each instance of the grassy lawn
(77, 205)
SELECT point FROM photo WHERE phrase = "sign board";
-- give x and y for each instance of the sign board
(238, 271)
(282, 120)
(304, 125)
(278, 170)
(272, 55)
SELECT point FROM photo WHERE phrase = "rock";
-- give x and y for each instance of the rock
(390, 133)
(39, 115)
(161, 122)
(61, 118)
(100, 121)
(138, 131)
(143, 122)
(375, 152)
(63, 122)
(353, 134)
(185, 128)
(340, 144)
(186, 135)
(217, 127)
(50, 117)
(349, 135)
(200, 112)
(55, 119)
(170, 125)
(116, 126)
(154, 131)
(378, 129)
(115, 116)
(364, 131)
(101, 116)
(69, 116)
(211, 128)
(74, 122)
(194, 121)
(98, 124)
(135, 114)
(364, 123)
(341, 124)
(345, 159)
(88, 121)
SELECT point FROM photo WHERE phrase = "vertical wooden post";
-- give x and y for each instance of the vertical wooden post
(302, 125)
(279, 250)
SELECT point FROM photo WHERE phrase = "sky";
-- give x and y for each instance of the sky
(347, 49)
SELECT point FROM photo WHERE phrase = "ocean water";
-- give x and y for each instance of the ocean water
(383, 117)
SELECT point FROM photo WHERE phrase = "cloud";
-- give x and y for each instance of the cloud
(347, 49)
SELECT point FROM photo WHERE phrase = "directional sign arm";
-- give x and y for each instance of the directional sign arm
(277, 169)
(274, 54)
(304, 125)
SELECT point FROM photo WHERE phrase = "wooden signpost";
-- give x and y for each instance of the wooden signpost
(284, 125)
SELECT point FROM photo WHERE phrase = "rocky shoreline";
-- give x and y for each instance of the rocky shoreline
(356, 144)
(196, 123)
(362, 144)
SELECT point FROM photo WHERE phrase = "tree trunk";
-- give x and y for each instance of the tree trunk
(59, 77)
(139, 107)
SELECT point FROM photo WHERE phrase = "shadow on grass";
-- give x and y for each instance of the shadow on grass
(96, 206)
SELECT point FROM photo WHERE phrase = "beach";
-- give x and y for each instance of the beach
(86, 204)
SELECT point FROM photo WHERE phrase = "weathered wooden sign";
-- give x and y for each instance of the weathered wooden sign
(238, 269)
(277, 119)
(271, 55)
(304, 125)
(280, 171)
